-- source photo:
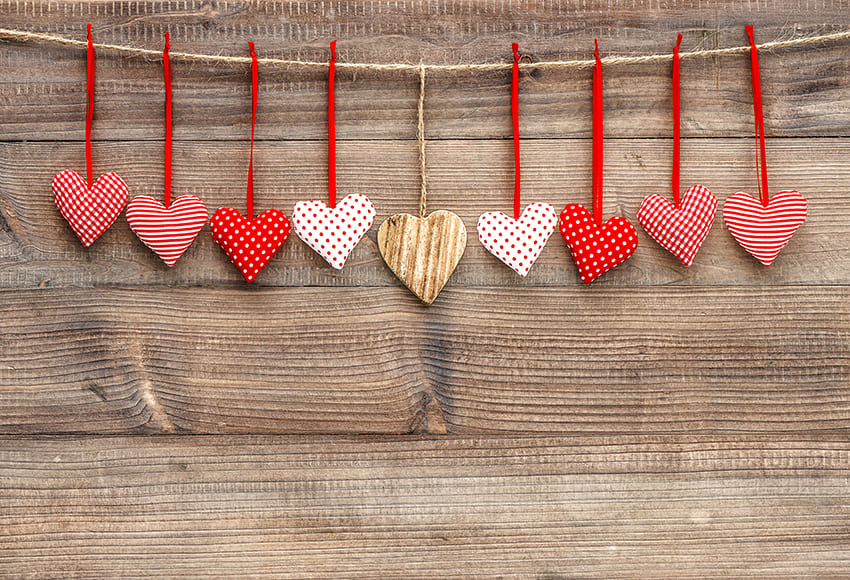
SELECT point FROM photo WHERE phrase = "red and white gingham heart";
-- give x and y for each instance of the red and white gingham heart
(167, 231)
(764, 230)
(596, 249)
(89, 212)
(681, 229)
(333, 232)
(250, 245)
(518, 243)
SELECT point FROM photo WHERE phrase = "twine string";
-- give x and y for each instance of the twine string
(26, 35)
(420, 137)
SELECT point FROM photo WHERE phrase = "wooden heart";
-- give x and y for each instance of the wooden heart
(423, 252)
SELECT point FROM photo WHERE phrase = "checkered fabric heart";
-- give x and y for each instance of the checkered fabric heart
(764, 230)
(596, 249)
(167, 231)
(681, 229)
(89, 212)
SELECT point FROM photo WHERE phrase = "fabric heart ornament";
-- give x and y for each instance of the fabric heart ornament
(763, 230)
(168, 231)
(250, 245)
(89, 211)
(681, 229)
(423, 252)
(596, 249)
(333, 232)
(518, 242)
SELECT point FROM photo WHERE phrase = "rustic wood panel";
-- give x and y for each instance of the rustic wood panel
(572, 359)
(42, 94)
(619, 507)
(37, 248)
(693, 422)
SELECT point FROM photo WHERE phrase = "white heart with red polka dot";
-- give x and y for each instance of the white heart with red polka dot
(333, 232)
(518, 243)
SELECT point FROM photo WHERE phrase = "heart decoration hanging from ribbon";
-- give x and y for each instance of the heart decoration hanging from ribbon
(680, 227)
(90, 207)
(596, 249)
(89, 211)
(167, 231)
(250, 243)
(763, 227)
(763, 230)
(517, 241)
(333, 230)
(596, 246)
(170, 228)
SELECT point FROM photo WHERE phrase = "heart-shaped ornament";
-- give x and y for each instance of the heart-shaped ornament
(333, 232)
(681, 229)
(517, 243)
(764, 230)
(423, 252)
(89, 212)
(168, 231)
(596, 249)
(250, 245)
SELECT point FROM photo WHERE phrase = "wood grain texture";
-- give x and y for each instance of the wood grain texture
(691, 422)
(422, 252)
(619, 507)
(355, 360)
(42, 96)
(469, 178)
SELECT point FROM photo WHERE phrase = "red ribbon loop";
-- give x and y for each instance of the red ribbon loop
(515, 118)
(597, 136)
(331, 129)
(254, 90)
(759, 117)
(676, 121)
(89, 104)
(166, 67)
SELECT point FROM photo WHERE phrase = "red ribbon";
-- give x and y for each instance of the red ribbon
(759, 117)
(89, 104)
(331, 129)
(255, 86)
(597, 136)
(676, 121)
(515, 117)
(166, 67)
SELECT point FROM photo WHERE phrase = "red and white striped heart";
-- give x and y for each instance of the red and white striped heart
(764, 230)
(517, 243)
(168, 231)
(250, 245)
(333, 232)
(89, 212)
(681, 229)
(596, 249)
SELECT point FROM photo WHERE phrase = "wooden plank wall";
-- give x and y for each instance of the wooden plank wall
(664, 421)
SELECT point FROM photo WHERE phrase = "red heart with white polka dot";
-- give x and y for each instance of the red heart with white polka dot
(250, 245)
(89, 212)
(517, 243)
(333, 232)
(596, 249)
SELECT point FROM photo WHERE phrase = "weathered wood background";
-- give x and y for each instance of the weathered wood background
(664, 421)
